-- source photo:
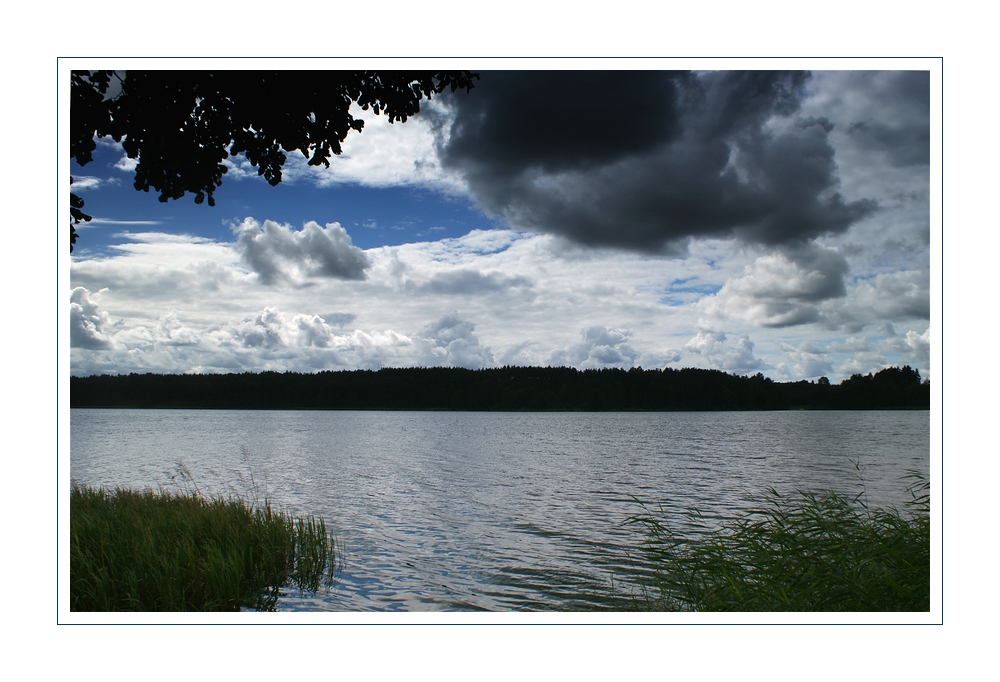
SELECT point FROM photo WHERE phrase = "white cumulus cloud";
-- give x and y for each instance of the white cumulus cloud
(450, 342)
(722, 354)
(600, 347)
(278, 253)
(807, 360)
(88, 326)
(781, 289)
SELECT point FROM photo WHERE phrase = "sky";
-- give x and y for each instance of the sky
(745, 221)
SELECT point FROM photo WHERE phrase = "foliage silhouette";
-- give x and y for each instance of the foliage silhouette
(181, 125)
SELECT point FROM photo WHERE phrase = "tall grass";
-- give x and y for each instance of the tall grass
(800, 552)
(156, 551)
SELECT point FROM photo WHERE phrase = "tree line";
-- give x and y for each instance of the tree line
(501, 389)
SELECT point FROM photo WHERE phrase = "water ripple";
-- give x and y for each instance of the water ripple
(495, 511)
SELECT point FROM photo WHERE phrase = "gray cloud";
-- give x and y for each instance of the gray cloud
(339, 319)
(471, 282)
(278, 253)
(885, 298)
(901, 128)
(646, 160)
(807, 284)
(264, 330)
(782, 289)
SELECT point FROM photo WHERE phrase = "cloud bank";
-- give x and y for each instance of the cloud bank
(168, 303)
(799, 201)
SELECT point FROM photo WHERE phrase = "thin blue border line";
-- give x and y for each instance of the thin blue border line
(940, 378)
(58, 299)
(522, 57)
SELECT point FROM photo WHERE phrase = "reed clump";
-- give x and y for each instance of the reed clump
(800, 552)
(156, 551)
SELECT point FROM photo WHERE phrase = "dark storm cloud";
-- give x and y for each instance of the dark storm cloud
(557, 120)
(904, 101)
(825, 271)
(645, 160)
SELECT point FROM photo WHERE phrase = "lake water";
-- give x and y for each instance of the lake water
(495, 511)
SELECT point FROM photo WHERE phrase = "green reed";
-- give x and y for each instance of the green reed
(800, 552)
(155, 551)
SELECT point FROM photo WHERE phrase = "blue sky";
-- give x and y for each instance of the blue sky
(374, 216)
(775, 227)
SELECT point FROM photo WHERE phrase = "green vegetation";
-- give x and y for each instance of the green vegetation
(803, 552)
(149, 551)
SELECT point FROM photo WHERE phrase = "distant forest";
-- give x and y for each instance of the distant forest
(501, 389)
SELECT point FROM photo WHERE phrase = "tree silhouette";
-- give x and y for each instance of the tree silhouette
(500, 388)
(181, 125)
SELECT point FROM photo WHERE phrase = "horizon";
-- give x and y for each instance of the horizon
(502, 367)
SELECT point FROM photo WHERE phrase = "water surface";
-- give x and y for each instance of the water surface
(497, 511)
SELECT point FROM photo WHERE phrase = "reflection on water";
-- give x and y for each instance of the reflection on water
(497, 511)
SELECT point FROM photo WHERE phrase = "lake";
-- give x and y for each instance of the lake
(495, 511)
